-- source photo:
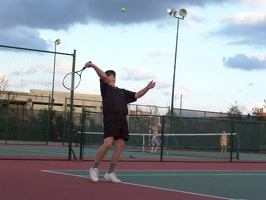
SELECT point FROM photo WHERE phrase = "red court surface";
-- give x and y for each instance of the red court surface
(25, 180)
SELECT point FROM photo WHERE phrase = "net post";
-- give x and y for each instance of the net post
(260, 129)
(237, 154)
(143, 143)
(162, 138)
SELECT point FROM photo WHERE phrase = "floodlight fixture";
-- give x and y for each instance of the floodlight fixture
(171, 11)
(182, 12)
(57, 42)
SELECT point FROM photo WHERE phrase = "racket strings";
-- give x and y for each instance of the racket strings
(67, 81)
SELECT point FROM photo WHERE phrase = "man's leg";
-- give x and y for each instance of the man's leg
(107, 144)
(94, 172)
(119, 146)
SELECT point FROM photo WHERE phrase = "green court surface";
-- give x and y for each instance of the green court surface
(222, 184)
(57, 151)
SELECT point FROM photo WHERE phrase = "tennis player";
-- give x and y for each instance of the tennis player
(115, 110)
(223, 141)
(155, 140)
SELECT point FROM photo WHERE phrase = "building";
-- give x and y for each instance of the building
(40, 99)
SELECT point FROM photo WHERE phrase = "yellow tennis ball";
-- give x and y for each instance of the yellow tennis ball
(123, 9)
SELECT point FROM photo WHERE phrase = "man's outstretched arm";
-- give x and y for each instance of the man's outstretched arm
(99, 72)
(142, 92)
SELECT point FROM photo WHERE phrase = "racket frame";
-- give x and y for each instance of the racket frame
(72, 79)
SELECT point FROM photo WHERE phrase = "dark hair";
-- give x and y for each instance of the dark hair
(110, 72)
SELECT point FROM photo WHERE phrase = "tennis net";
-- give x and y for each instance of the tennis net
(172, 146)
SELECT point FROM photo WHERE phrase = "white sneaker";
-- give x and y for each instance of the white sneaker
(94, 174)
(112, 177)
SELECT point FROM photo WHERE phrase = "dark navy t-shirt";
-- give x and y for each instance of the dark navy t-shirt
(115, 100)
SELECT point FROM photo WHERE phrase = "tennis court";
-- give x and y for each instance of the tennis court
(132, 152)
(140, 180)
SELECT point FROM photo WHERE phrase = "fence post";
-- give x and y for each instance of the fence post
(71, 110)
(83, 118)
(49, 117)
(232, 139)
(162, 138)
(7, 120)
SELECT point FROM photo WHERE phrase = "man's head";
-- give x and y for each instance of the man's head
(109, 72)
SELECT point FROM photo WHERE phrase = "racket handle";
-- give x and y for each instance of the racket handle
(85, 67)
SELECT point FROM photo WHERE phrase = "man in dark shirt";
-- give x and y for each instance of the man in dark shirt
(115, 110)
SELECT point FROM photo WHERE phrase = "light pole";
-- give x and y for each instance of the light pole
(182, 13)
(56, 42)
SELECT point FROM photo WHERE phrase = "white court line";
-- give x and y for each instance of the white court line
(192, 174)
(185, 173)
(139, 185)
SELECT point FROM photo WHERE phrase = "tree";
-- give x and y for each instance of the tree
(257, 111)
(234, 111)
(3, 83)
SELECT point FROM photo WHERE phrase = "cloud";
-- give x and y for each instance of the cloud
(158, 53)
(183, 90)
(246, 28)
(247, 107)
(22, 37)
(42, 14)
(136, 74)
(161, 84)
(256, 3)
(48, 14)
(27, 16)
(195, 19)
(21, 72)
(250, 84)
(241, 61)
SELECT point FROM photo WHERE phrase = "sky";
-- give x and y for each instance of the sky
(220, 60)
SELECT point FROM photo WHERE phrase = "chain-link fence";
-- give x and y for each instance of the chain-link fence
(24, 135)
(34, 118)
(39, 119)
(181, 139)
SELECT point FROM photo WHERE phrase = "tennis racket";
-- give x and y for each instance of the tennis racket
(72, 80)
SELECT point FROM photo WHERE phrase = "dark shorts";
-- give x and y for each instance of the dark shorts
(115, 125)
(155, 141)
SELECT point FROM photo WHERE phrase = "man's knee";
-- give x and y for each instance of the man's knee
(108, 142)
(119, 145)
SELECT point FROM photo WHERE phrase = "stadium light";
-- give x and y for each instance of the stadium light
(183, 14)
(56, 42)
